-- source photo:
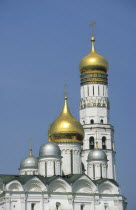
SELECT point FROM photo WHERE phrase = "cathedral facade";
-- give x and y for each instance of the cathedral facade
(76, 169)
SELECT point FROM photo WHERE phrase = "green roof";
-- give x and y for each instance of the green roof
(47, 180)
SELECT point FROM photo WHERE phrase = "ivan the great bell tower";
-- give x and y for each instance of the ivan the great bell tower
(94, 111)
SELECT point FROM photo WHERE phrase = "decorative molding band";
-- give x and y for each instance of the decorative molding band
(88, 102)
(66, 141)
(94, 78)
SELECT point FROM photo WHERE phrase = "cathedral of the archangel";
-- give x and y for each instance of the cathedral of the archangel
(76, 169)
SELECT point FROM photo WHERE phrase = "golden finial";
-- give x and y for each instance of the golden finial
(49, 132)
(93, 38)
(65, 92)
(96, 147)
(30, 154)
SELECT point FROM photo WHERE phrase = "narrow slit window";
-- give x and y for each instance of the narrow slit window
(45, 169)
(58, 204)
(105, 206)
(98, 91)
(93, 171)
(82, 207)
(92, 121)
(32, 206)
(101, 121)
(88, 90)
(101, 170)
(71, 161)
(93, 90)
(54, 169)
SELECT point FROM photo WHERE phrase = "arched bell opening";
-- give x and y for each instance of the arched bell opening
(91, 142)
(103, 142)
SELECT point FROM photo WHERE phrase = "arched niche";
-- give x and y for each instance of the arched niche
(83, 185)
(14, 186)
(108, 188)
(59, 185)
(35, 185)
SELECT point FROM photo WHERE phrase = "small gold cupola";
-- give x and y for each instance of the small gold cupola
(66, 128)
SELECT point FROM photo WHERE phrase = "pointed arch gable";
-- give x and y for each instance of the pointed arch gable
(14, 185)
(59, 185)
(84, 185)
(35, 185)
(108, 187)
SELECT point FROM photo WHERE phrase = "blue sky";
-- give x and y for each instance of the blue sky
(41, 45)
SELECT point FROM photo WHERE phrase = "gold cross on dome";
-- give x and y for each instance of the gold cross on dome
(30, 141)
(65, 90)
(92, 26)
(96, 135)
(30, 146)
(96, 140)
(97, 145)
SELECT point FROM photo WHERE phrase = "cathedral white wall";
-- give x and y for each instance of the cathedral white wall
(94, 104)
(94, 90)
(97, 170)
(95, 113)
(110, 170)
(41, 167)
(111, 165)
(28, 172)
(49, 166)
(83, 192)
(98, 131)
(71, 158)
(64, 201)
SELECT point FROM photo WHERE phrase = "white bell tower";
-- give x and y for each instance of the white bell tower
(94, 108)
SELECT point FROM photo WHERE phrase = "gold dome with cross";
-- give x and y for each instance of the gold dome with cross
(66, 128)
(93, 62)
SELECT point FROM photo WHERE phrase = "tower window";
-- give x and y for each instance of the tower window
(91, 142)
(82, 207)
(45, 169)
(103, 142)
(101, 170)
(101, 121)
(106, 206)
(58, 205)
(32, 206)
(98, 91)
(88, 90)
(92, 121)
(71, 161)
(93, 171)
(54, 168)
(93, 90)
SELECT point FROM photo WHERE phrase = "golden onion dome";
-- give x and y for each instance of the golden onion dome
(93, 61)
(66, 128)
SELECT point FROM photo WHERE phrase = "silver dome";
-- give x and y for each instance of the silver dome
(49, 149)
(29, 162)
(97, 155)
